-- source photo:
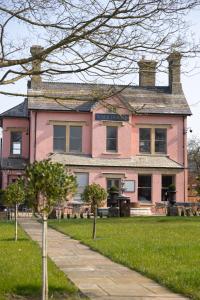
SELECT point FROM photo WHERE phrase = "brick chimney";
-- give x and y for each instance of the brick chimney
(147, 72)
(174, 60)
(36, 66)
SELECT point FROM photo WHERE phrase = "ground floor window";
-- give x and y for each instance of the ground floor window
(144, 187)
(82, 181)
(13, 178)
(167, 180)
(113, 182)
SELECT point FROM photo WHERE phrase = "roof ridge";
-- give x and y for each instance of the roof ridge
(106, 84)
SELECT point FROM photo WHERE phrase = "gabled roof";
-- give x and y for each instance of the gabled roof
(18, 111)
(82, 97)
(138, 161)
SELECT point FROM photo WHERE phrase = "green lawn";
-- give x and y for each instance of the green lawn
(166, 249)
(20, 269)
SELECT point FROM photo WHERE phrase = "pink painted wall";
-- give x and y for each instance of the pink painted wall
(8, 124)
(8, 175)
(44, 131)
(98, 175)
(175, 136)
(99, 134)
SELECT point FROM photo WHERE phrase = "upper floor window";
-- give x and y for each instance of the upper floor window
(67, 138)
(59, 138)
(160, 140)
(75, 144)
(111, 138)
(145, 140)
(153, 140)
(16, 143)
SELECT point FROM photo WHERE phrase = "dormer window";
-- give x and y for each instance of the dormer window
(16, 143)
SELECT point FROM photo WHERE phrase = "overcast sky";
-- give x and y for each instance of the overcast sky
(190, 82)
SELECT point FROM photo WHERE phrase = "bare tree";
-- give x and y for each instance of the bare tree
(88, 38)
(194, 156)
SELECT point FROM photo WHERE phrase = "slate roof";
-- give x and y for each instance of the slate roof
(82, 97)
(14, 163)
(138, 161)
(18, 111)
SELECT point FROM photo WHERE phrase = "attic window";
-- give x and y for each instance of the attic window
(16, 143)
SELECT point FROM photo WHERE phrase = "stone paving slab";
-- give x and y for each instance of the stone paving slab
(95, 275)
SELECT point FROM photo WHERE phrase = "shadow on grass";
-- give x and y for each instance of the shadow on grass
(13, 240)
(32, 290)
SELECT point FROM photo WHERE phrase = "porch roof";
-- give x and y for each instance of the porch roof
(138, 161)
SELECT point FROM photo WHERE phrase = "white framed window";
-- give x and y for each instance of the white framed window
(16, 143)
(82, 180)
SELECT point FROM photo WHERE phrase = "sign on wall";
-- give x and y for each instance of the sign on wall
(129, 185)
(111, 117)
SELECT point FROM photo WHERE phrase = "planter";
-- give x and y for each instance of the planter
(172, 197)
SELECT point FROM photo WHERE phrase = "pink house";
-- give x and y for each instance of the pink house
(136, 134)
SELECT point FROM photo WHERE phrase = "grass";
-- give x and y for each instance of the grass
(166, 249)
(20, 269)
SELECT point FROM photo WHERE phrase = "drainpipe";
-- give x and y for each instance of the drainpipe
(184, 154)
(35, 135)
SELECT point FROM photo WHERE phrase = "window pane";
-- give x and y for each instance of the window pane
(75, 143)
(144, 194)
(167, 180)
(145, 140)
(16, 142)
(144, 187)
(16, 136)
(82, 181)
(16, 148)
(111, 132)
(160, 134)
(111, 138)
(113, 182)
(145, 133)
(144, 181)
(59, 138)
(160, 140)
(112, 144)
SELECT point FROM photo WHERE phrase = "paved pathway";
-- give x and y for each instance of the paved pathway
(95, 275)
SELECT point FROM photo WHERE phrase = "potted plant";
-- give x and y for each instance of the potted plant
(172, 194)
(113, 193)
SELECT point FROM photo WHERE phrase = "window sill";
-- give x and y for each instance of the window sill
(145, 203)
(67, 153)
(15, 156)
(111, 153)
(153, 154)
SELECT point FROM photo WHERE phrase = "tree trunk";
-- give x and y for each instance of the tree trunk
(94, 222)
(44, 259)
(16, 214)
